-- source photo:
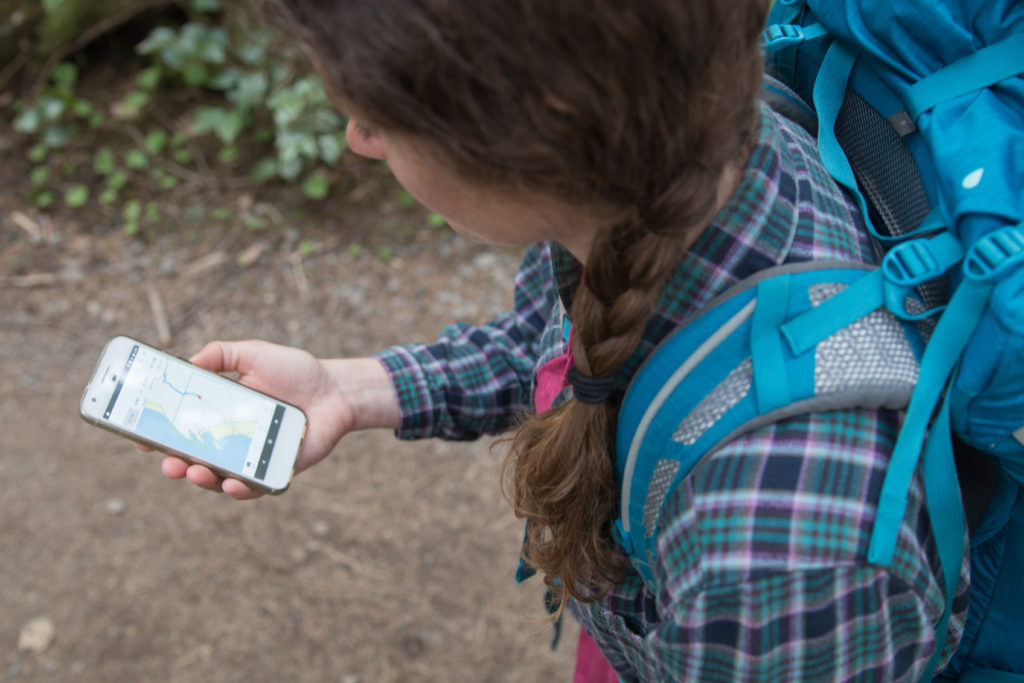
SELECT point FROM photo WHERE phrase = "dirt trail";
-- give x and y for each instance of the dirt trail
(390, 562)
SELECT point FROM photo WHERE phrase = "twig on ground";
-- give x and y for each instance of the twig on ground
(156, 304)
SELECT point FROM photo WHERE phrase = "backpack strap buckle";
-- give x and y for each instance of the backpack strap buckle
(778, 36)
(912, 263)
(997, 252)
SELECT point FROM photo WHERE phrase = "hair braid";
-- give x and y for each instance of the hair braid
(563, 480)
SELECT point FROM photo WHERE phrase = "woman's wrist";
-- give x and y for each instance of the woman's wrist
(364, 385)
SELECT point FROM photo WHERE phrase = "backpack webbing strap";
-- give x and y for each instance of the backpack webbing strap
(829, 94)
(940, 357)
(905, 267)
(984, 68)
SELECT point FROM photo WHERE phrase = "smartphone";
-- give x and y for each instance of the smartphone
(148, 396)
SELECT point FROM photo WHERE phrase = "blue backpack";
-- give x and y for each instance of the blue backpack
(918, 107)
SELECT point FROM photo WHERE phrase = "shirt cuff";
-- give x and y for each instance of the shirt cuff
(416, 404)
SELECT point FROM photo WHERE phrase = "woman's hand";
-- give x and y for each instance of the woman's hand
(338, 396)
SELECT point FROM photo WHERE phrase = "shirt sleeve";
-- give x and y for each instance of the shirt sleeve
(476, 379)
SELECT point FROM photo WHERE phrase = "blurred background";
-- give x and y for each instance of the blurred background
(173, 170)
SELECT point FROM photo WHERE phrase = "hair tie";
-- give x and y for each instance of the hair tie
(591, 389)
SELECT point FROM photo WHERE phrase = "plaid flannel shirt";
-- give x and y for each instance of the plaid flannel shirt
(761, 570)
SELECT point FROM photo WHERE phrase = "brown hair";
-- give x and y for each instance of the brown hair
(639, 106)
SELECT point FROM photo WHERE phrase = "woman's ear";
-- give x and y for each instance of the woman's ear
(365, 142)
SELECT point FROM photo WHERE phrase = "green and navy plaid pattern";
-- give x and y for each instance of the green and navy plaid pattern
(761, 570)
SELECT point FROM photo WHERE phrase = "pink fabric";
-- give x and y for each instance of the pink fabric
(551, 378)
(591, 666)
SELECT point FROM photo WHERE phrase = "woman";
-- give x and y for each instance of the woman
(625, 143)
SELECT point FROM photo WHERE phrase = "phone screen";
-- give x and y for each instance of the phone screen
(173, 403)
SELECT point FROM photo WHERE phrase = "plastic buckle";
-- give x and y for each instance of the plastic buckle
(778, 36)
(906, 266)
(997, 252)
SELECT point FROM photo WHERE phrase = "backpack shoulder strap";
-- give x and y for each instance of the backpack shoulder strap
(731, 370)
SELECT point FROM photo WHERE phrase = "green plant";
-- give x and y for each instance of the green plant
(263, 101)
(259, 110)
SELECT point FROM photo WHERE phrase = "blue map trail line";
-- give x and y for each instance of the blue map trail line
(179, 391)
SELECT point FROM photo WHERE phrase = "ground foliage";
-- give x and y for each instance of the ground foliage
(217, 96)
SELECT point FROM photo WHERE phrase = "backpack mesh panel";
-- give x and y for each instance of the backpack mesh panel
(717, 403)
(884, 167)
(887, 175)
(870, 353)
(664, 472)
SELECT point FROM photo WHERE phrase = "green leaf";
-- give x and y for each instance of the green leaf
(149, 78)
(214, 49)
(132, 104)
(108, 196)
(306, 247)
(45, 199)
(316, 185)
(226, 124)
(228, 155)
(117, 180)
(254, 222)
(195, 74)
(37, 153)
(168, 182)
(224, 79)
(156, 141)
(158, 39)
(406, 200)
(436, 220)
(182, 156)
(153, 212)
(252, 53)
(104, 161)
(221, 213)
(83, 109)
(264, 169)
(51, 7)
(131, 227)
(206, 6)
(249, 90)
(28, 121)
(385, 254)
(136, 159)
(330, 148)
(289, 165)
(56, 137)
(179, 138)
(51, 107)
(76, 196)
(132, 210)
(354, 250)
(64, 76)
(39, 175)
(96, 119)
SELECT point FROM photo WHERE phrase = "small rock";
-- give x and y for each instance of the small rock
(114, 506)
(320, 528)
(36, 635)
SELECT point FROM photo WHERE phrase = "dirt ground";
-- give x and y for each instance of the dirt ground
(390, 561)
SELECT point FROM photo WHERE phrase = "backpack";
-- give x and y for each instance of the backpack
(919, 112)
